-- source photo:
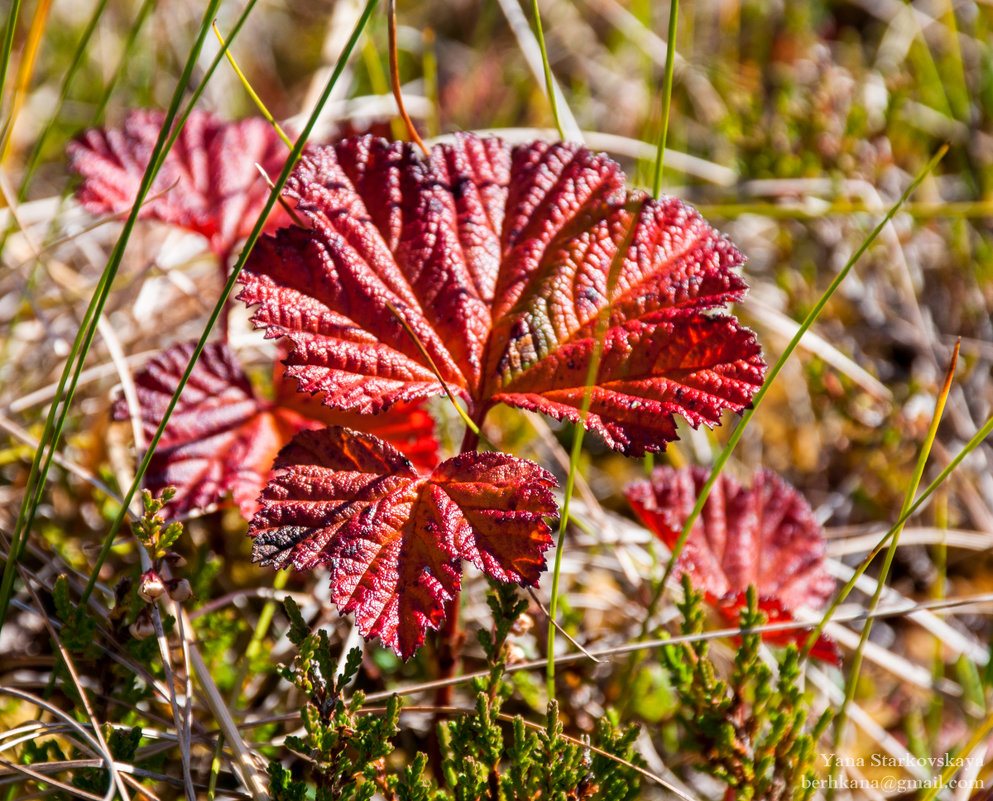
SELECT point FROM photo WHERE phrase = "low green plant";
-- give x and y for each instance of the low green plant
(483, 753)
(749, 730)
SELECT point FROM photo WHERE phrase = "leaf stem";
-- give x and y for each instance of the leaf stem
(670, 61)
(391, 15)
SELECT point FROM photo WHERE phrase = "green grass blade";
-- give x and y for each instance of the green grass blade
(953, 766)
(146, 8)
(852, 677)
(218, 307)
(777, 367)
(70, 376)
(670, 61)
(577, 446)
(839, 599)
(549, 83)
(8, 46)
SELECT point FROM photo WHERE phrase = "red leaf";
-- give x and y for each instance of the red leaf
(208, 182)
(394, 539)
(765, 536)
(498, 260)
(731, 606)
(223, 438)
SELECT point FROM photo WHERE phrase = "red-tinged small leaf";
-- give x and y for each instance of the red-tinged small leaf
(222, 437)
(732, 604)
(498, 262)
(394, 539)
(405, 426)
(765, 536)
(208, 182)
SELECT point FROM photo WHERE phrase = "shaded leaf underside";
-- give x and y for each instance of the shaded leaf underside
(222, 437)
(208, 182)
(765, 536)
(394, 539)
(501, 261)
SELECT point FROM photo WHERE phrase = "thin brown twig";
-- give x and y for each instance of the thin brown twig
(391, 16)
(74, 792)
(558, 628)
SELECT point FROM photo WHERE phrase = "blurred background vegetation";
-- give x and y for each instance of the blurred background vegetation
(794, 127)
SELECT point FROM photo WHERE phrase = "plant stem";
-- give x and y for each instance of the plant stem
(775, 370)
(450, 636)
(670, 60)
(549, 83)
(851, 681)
(746, 418)
(391, 15)
(592, 369)
(70, 375)
(8, 46)
(256, 231)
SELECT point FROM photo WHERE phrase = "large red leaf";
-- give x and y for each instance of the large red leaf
(222, 437)
(765, 536)
(394, 539)
(499, 261)
(208, 182)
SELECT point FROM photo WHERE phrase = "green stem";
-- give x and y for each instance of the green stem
(757, 400)
(670, 60)
(146, 8)
(774, 372)
(851, 680)
(70, 375)
(592, 369)
(251, 652)
(549, 83)
(839, 599)
(256, 231)
(8, 46)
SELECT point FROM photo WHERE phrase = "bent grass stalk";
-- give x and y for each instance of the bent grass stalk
(968, 448)
(219, 306)
(70, 376)
(851, 680)
(250, 89)
(777, 367)
(577, 445)
(739, 430)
